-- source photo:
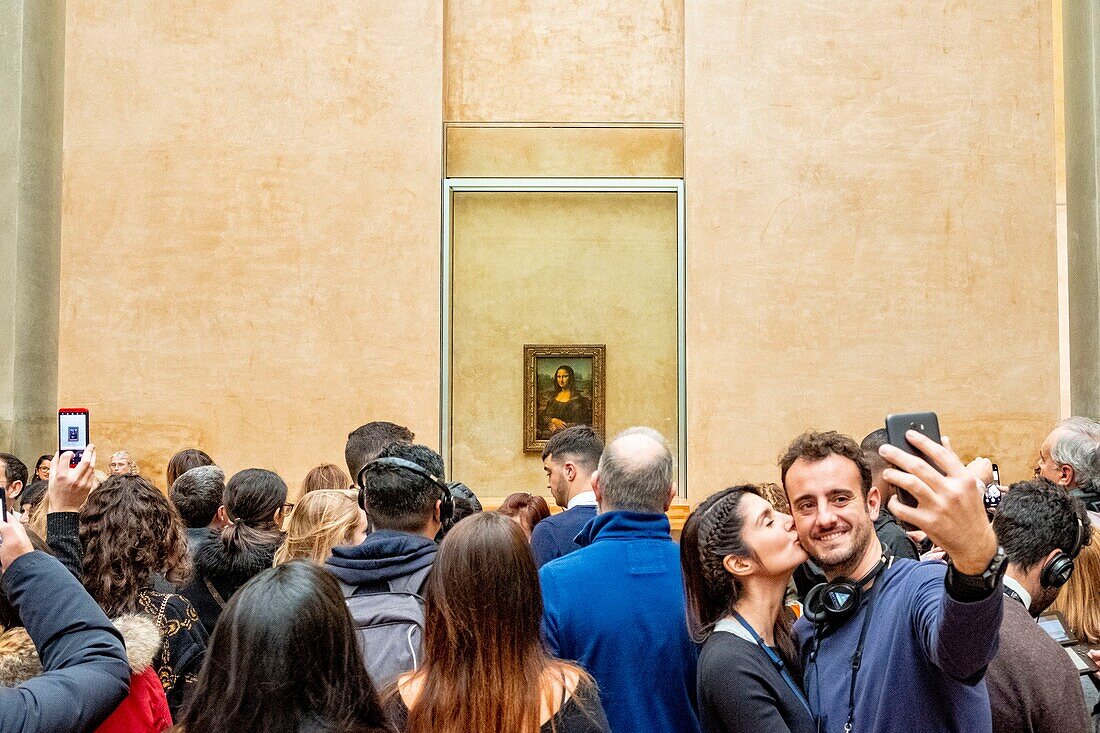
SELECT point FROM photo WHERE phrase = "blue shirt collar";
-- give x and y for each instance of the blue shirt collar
(625, 525)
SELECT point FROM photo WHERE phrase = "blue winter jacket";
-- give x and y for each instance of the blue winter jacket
(86, 674)
(616, 607)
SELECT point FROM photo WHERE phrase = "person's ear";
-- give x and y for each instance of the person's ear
(569, 470)
(874, 502)
(596, 488)
(278, 517)
(15, 488)
(671, 496)
(437, 512)
(737, 566)
(1067, 475)
(222, 516)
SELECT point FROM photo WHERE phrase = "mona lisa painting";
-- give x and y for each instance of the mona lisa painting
(563, 386)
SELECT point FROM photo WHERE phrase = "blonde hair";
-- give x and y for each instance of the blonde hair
(322, 520)
(134, 470)
(776, 496)
(325, 476)
(36, 519)
(1079, 600)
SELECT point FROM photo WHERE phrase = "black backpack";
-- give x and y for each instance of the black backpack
(390, 625)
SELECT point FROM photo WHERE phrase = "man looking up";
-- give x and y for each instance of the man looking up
(1070, 457)
(366, 443)
(616, 605)
(899, 647)
(1033, 686)
(568, 459)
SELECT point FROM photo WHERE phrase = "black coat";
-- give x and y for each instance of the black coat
(220, 570)
(86, 670)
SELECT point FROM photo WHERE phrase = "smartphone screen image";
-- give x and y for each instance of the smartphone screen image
(72, 432)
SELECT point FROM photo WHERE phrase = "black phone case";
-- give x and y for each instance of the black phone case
(925, 423)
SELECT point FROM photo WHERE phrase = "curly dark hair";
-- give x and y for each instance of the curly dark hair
(130, 531)
(815, 446)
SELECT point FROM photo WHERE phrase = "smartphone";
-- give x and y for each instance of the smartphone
(996, 475)
(72, 432)
(925, 423)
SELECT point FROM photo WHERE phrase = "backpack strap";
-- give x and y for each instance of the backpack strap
(411, 583)
(214, 593)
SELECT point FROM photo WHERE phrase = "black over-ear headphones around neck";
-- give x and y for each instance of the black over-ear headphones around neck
(1059, 568)
(446, 500)
(836, 601)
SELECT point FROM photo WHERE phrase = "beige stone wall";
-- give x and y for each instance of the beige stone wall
(251, 225)
(251, 212)
(557, 268)
(871, 219)
(592, 61)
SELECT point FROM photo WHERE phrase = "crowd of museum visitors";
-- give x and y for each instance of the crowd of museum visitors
(870, 589)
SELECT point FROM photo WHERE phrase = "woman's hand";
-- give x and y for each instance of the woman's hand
(557, 424)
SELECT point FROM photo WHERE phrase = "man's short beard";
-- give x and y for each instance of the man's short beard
(862, 533)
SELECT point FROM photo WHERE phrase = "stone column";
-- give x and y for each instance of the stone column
(1082, 89)
(32, 66)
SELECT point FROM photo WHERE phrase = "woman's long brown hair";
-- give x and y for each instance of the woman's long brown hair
(485, 668)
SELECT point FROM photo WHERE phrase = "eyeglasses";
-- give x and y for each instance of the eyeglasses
(287, 508)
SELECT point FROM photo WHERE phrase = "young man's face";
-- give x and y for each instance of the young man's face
(831, 515)
(556, 481)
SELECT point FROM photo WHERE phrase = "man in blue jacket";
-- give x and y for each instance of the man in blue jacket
(569, 460)
(897, 645)
(616, 606)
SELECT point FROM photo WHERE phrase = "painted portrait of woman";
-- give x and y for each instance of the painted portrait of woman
(565, 406)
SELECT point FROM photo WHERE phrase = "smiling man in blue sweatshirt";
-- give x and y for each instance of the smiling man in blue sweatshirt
(616, 606)
(904, 645)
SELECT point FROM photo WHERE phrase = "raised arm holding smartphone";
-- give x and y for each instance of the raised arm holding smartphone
(948, 509)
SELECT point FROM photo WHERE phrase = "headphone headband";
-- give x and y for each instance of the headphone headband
(1079, 543)
(446, 509)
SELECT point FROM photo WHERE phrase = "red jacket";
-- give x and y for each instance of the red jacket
(145, 709)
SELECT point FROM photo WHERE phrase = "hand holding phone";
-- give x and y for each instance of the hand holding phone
(948, 508)
(69, 486)
(72, 432)
(925, 423)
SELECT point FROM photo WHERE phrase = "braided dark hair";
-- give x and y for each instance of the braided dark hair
(712, 532)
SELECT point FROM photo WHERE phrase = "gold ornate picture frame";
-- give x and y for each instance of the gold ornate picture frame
(563, 385)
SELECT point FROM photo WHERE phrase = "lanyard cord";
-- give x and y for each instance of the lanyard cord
(776, 661)
(857, 661)
(1013, 595)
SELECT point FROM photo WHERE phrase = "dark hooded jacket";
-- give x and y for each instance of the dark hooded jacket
(144, 710)
(86, 673)
(220, 569)
(384, 556)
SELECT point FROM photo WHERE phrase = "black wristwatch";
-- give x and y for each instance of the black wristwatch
(970, 588)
